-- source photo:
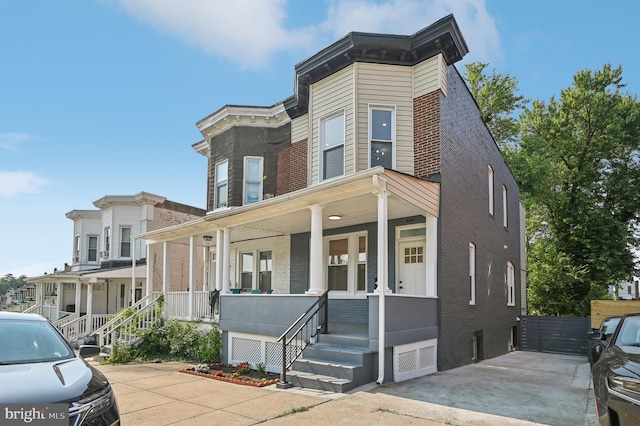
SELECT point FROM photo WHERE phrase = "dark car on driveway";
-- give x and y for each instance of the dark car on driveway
(38, 366)
(616, 375)
(599, 337)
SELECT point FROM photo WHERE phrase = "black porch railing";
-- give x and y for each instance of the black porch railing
(311, 323)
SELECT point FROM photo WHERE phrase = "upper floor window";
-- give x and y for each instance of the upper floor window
(76, 249)
(125, 242)
(472, 274)
(92, 248)
(505, 222)
(511, 276)
(107, 241)
(252, 179)
(382, 137)
(222, 184)
(332, 142)
(490, 190)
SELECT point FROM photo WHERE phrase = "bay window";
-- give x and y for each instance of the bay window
(332, 135)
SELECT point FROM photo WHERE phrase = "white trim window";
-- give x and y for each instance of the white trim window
(472, 274)
(382, 137)
(252, 180)
(125, 241)
(346, 265)
(505, 209)
(76, 249)
(511, 275)
(332, 136)
(255, 270)
(490, 176)
(92, 248)
(107, 242)
(222, 184)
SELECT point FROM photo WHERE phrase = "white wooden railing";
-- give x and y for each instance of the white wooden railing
(177, 305)
(145, 316)
(74, 329)
(66, 319)
(34, 309)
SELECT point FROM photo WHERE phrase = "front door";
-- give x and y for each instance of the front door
(412, 278)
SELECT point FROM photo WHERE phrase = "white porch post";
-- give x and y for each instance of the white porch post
(431, 256)
(316, 276)
(78, 298)
(90, 306)
(205, 269)
(192, 273)
(150, 268)
(165, 276)
(59, 293)
(383, 275)
(226, 260)
(218, 271)
(133, 272)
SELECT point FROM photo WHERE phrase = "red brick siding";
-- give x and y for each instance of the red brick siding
(292, 168)
(426, 134)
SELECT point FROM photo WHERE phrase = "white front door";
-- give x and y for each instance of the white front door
(412, 278)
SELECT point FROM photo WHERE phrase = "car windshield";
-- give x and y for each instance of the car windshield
(629, 333)
(31, 341)
(609, 326)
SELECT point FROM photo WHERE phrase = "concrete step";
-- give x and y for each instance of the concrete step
(320, 382)
(342, 340)
(326, 368)
(338, 354)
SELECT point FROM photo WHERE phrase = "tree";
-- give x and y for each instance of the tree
(9, 281)
(578, 167)
(497, 98)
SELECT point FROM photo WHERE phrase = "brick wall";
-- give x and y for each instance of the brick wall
(467, 148)
(292, 168)
(426, 134)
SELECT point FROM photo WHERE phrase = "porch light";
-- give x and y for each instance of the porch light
(335, 217)
(207, 238)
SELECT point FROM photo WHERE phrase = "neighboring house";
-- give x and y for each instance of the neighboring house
(99, 281)
(626, 290)
(378, 173)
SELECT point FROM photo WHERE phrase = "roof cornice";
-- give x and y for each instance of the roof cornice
(443, 37)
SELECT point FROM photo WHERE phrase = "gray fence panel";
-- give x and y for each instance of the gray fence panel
(554, 334)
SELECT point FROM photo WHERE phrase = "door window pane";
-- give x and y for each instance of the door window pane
(266, 266)
(338, 264)
(362, 264)
(246, 271)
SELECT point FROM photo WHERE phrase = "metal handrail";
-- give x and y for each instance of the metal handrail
(304, 334)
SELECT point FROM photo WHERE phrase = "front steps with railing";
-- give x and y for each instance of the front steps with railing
(336, 363)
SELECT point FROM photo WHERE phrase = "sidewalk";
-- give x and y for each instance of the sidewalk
(157, 394)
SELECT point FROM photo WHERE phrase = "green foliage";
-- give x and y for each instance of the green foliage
(173, 339)
(9, 281)
(261, 367)
(497, 98)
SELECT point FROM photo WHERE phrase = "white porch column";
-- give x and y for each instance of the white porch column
(192, 273)
(78, 296)
(150, 268)
(383, 273)
(59, 293)
(133, 272)
(316, 276)
(90, 306)
(205, 269)
(219, 250)
(431, 256)
(165, 268)
(226, 243)
(165, 276)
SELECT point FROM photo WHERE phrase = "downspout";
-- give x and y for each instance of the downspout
(383, 276)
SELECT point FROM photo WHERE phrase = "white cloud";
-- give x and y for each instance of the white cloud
(14, 183)
(11, 140)
(250, 32)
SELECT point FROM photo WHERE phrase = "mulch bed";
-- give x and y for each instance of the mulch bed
(226, 373)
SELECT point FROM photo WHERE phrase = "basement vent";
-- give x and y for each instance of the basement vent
(414, 360)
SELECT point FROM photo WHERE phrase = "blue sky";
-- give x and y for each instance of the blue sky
(101, 97)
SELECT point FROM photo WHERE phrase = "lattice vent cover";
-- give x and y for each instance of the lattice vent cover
(426, 357)
(406, 361)
(249, 350)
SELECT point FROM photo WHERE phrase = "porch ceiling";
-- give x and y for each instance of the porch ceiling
(354, 198)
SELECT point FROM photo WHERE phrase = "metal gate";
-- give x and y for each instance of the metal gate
(554, 334)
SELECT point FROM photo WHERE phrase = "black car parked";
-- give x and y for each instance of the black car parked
(616, 375)
(599, 337)
(38, 366)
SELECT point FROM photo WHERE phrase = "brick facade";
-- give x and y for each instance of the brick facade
(292, 168)
(426, 134)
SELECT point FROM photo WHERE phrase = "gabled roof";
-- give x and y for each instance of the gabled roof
(443, 36)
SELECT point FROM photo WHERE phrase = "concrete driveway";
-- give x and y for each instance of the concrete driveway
(521, 388)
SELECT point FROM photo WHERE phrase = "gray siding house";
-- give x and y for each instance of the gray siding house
(377, 192)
